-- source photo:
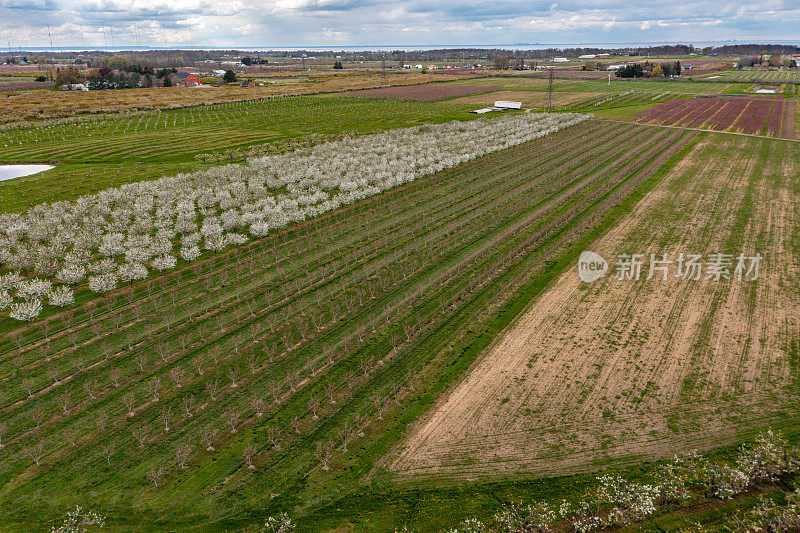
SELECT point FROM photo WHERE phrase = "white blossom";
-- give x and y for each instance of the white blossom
(27, 310)
(71, 274)
(102, 282)
(190, 253)
(164, 262)
(61, 296)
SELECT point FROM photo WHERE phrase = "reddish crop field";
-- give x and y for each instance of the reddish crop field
(761, 116)
(423, 93)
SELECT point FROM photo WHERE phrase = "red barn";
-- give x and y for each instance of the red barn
(248, 84)
(184, 79)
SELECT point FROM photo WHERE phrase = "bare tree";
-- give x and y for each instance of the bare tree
(26, 384)
(89, 386)
(177, 374)
(35, 452)
(330, 391)
(323, 453)
(396, 390)
(296, 424)
(63, 401)
(259, 406)
(38, 417)
(215, 352)
(188, 404)
(182, 455)
(166, 417)
(248, 454)
(365, 364)
(108, 450)
(380, 405)
(129, 400)
(231, 417)
(347, 433)
(252, 362)
(114, 375)
(140, 434)
(198, 364)
(52, 373)
(3, 428)
(254, 330)
(313, 406)
(291, 380)
(208, 436)
(273, 437)
(141, 361)
(232, 373)
(162, 349)
(155, 474)
(275, 390)
(152, 388)
(211, 388)
(360, 422)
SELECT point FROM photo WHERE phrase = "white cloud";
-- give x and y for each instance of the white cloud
(384, 22)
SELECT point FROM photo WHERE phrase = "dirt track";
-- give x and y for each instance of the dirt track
(619, 370)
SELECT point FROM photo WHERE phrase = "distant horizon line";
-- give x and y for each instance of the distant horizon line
(388, 47)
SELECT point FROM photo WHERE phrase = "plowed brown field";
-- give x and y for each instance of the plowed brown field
(616, 371)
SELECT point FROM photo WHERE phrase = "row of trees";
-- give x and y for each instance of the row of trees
(647, 69)
(775, 60)
(618, 503)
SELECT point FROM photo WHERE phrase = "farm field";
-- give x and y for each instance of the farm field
(758, 116)
(619, 371)
(220, 391)
(529, 99)
(180, 134)
(120, 149)
(772, 76)
(40, 105)
(421, 93)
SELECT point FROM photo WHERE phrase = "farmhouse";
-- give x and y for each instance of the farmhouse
(184, 79)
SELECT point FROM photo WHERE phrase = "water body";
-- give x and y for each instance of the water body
(9, 172)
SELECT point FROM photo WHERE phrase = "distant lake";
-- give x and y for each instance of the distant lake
(8, 172)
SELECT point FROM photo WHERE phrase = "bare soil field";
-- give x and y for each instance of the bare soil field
(422, 93)
(46, 104)
(620, 370)
(769, 116)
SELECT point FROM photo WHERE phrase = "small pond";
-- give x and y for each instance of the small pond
(8, 172)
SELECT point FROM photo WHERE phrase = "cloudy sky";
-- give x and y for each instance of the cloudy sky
(286, 23)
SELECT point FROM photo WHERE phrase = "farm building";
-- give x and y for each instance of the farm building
(248, 84)
(505, 104)
(184, 79)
